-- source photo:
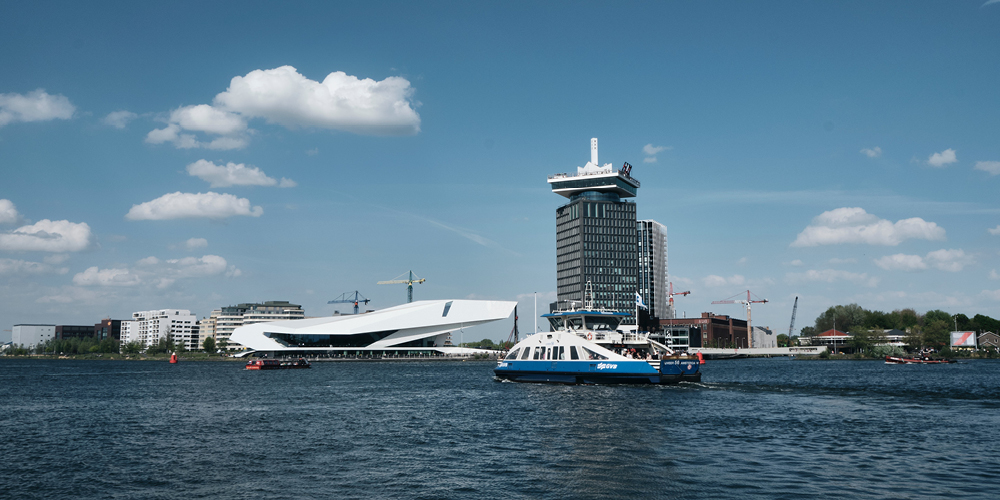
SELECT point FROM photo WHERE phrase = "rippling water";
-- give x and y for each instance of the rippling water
(760, 428)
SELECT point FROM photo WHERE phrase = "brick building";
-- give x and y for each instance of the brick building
(710, 330)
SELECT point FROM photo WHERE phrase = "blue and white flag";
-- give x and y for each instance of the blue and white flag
(638, 301)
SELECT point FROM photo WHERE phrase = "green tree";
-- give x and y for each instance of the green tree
(861, 340)
(782, 340)
(905, 318)
(808, 331)
(937, 315)
(935, 334)
(982, 323)
(209, 345)
(131, 348)
(844, 317)
(963, 322)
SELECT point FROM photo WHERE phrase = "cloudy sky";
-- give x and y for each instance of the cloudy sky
(195, 155)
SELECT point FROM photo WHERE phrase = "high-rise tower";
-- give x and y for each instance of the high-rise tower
(596, 234)
(652, 238)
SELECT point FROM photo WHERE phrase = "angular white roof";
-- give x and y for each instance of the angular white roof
(411, 321)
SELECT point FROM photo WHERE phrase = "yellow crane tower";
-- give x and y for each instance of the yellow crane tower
(409, 284)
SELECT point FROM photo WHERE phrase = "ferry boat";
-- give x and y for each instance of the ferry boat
(585, 347)
(274, 364)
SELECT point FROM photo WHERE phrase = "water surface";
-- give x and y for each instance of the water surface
(758, 428)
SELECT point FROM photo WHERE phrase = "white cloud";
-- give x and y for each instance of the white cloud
(48, 236)
(951, 260)
(8, 212)
(205, 118)
(15, 266)
(993, 167)
(718, 281)
(34, 107)
(993, 275)
(106, 277)
(796, 263)
(234, 174)
(943, 158)
(119, 119)
(901, 262)
(193, 243)
(991, 294)
(283, 96)
(158, 273)
(989, 2)
(872, 152)
(188, 205)
(832, 275)
(202, 118)
(339, 102)
(652, 150)
(994, 230)
(854, 225)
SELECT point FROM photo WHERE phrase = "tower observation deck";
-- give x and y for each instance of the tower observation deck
(596, 237)
(596, 179)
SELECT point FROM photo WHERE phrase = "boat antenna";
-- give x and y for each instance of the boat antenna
(588, 297)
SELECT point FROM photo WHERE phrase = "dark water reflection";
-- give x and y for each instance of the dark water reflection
(766, 428)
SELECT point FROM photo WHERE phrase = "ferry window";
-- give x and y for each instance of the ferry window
(538, 352)
(572, 352)
(513, 354)
(591, 354)
(574, 323)
(562, 352)
(527, 351)
(548, 353)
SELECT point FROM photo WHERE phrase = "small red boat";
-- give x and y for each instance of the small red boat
(274, 364)
(896, 360)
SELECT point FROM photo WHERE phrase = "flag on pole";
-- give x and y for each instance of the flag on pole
(638, 301)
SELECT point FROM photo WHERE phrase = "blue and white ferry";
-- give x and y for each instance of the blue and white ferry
(586, 347)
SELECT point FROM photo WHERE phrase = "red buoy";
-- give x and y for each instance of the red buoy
(701, 360)
(173, 357)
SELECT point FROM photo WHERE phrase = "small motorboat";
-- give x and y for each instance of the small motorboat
(274, 364)
(923, 360)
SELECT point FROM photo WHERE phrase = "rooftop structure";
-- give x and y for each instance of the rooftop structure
(417, 327)
(232, 317)
(596, 179)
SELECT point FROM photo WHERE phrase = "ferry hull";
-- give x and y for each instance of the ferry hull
(589, 372)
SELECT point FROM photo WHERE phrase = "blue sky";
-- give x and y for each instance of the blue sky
(840, 152)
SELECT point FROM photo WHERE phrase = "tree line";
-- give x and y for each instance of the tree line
(91, 345)
(930, 329)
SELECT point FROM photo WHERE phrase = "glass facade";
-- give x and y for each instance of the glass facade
(596, 242)
(652, 238)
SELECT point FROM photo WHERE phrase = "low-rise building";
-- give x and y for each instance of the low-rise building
(108, 329)
(206, 327)
(148, 327)
(64, 332)
(987, 340)
(31, 335)
(710, 330)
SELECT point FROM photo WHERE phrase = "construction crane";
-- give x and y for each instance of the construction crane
(792, 325)
(671, 297)
(345, 298)
(409, 284)
(749, 300)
